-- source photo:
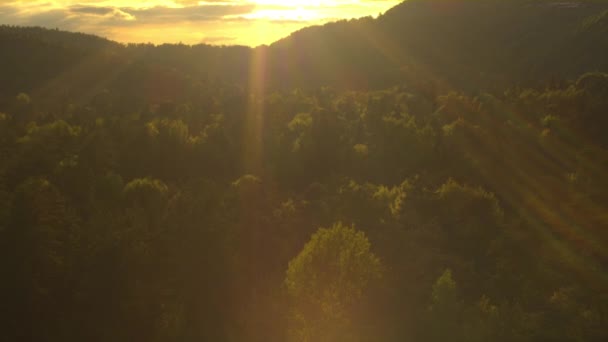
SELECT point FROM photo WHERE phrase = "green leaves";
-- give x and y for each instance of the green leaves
(123, 206)
(148, 193)
(444, 291)
(327, 278)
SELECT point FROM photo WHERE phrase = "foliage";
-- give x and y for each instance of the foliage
(148, 193)
(326, 279)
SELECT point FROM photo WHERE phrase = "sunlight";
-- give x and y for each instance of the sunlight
(339, 170)
(295, 14)
(294, 3)
(252, 153)
(218, 22)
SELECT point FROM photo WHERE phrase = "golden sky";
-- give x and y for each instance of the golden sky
(245, 22)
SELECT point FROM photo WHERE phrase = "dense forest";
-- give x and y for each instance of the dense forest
(428, 175)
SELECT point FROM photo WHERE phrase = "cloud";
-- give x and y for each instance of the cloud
(190, 13)
(92, 10)
(217, 39)
(248, 22)
(86, 16)
(7, 12)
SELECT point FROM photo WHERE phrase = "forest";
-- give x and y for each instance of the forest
(318, 189)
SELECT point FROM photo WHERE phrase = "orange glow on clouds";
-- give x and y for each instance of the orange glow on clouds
(228, 22)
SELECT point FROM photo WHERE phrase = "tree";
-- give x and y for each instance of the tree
(43, 241)
(445, 312)
(326, 280)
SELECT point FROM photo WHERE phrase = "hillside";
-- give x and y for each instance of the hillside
(51, 64)
(463, 43)
(436, 174)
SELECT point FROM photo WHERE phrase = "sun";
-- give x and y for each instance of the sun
(295, 10)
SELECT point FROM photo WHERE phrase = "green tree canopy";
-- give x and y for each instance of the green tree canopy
(325, 281)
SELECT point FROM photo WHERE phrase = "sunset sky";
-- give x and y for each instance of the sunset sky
(230, 22)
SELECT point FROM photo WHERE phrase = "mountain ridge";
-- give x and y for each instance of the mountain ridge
(483, 36)
(463, 44)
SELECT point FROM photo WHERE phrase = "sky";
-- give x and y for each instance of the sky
(218, 22)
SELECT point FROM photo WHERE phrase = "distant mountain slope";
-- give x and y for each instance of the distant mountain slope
(32, 54)
(50, 63)
(466, 43)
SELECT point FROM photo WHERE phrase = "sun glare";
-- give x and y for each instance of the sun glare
(219, 22)
(288, 14)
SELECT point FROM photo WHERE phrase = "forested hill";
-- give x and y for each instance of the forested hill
(464, 43)
(201, 193)
(52, 64)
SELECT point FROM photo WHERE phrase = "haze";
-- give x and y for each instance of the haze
(230, 22)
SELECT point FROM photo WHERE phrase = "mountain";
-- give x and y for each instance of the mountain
(49, 64)
(466, 43)
(201, 193)
(463, 44)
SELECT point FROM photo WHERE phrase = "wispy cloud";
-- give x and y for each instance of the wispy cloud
(225, 21)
